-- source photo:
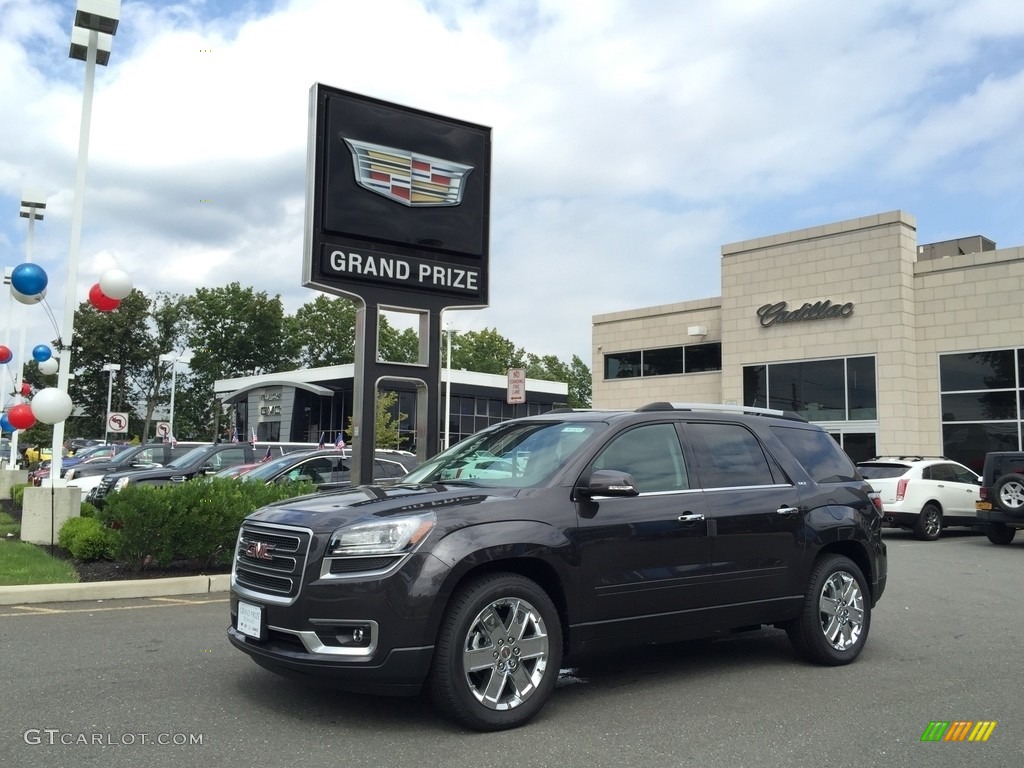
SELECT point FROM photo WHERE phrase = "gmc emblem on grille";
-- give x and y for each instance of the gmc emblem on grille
(259, 550)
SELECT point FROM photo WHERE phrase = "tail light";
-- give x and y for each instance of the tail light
(876, 502)
(983, 493)
(901, 488)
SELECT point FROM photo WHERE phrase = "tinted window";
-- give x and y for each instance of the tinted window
(651, 454)
(977, 370)
(819, 454)
(729, 455)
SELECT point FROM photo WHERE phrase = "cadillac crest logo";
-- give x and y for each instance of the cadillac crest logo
(408, 177)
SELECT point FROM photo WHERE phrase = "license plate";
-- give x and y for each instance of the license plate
(250, 620)
(983, 505)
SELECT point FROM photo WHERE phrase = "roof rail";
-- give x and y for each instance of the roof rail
(666, 406)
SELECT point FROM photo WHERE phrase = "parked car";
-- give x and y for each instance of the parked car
(88, 475)
(606, 529)
(924, 494)
(328, 468)
(201, 461)
(1001, 503)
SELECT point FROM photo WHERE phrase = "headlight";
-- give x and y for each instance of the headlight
(70, 474)
(121, 483)
(381, 537)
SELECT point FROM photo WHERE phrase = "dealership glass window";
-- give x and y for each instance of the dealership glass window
(841, 389)
(663, 361)
(982, 403)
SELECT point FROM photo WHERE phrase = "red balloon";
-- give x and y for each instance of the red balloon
(26, 389)
(21, 416)
(101, 301)
(5, 354)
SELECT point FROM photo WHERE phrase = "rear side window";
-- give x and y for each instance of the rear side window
(729, 456)
(820, 455)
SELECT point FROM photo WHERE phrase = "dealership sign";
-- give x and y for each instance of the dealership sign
(397, 204)
(772, 314)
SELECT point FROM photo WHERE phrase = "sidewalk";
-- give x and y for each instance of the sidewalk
(113, 590)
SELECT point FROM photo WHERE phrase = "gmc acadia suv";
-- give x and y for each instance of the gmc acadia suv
(542, 538)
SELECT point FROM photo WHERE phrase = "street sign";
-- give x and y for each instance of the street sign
(117, 422)
(163, 429)
(516, 386)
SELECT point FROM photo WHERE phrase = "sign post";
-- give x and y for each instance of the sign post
(397, 218)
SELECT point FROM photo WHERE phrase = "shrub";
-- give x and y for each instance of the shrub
(18, 493)
(86, 538)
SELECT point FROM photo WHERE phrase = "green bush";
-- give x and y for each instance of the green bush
(18, 493)
(87, 510)
(196, 521)
(86, 538)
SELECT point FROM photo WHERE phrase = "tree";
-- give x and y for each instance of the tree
(576, 375)
(234, 331)
(325, 331)
(485, 351)
(386, 432)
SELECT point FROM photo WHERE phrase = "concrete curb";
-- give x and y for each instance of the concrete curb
(113, 590)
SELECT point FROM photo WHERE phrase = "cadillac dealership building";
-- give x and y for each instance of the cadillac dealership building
(896, 348)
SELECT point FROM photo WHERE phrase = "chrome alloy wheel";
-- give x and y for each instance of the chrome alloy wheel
(505, 655)
(841, 608)
(1012, 495)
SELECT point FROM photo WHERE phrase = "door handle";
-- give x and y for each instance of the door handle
(689, 518)
(787, 511)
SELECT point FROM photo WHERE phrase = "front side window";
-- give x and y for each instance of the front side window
(651, 454)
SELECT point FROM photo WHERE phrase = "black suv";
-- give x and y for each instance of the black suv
(543, 538)
(1001, 506)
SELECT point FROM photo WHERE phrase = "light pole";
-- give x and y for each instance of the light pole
(111, 368)
(448, 383)
(95, 24)
(173, 359)
(33, 203)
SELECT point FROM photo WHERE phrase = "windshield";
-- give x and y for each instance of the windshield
(513, 455)
(190, 457)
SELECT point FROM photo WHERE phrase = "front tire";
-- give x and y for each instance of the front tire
(1000, 533)
(929, 523)
(836, 616)
(498, 653)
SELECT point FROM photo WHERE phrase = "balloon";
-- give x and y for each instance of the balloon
(29, 279)
(49, 367)
(26, 389)
(5, 354)
(101, 301)
(41, 352)
(51, 406)
(5, 425)
(26, 298)
(116, 284)
(20, 416)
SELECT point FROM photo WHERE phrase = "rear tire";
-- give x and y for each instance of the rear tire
(1009, 493)
(836, 615)
(929, 523)
(1000, 533)
(498, 653)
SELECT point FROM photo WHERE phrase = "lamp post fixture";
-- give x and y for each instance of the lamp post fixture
(91, 37)
(447, 384)
(111, 368)
(33, 203)
(173, 359)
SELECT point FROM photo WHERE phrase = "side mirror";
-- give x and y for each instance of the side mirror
(608, 482)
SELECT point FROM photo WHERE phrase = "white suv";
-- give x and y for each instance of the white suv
(923, 494)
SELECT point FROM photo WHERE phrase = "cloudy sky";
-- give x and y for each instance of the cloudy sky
(631, 138)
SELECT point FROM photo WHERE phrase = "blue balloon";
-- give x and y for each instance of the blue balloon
(5, 425)
(29, 279)
(41, 352)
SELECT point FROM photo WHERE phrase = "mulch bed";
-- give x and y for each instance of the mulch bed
(109, 570)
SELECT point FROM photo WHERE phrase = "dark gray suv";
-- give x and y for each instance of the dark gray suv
(539, 539)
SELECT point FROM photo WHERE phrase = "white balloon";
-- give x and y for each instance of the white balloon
(49, 366)
(115, 284)
(24, 298)
(51, 406)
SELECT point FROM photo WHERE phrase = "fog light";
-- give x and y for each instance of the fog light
(357, 636)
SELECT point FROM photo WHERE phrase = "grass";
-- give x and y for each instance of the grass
(24, 563)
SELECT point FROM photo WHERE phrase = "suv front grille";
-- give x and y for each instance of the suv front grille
(270, 559)
(103, 489)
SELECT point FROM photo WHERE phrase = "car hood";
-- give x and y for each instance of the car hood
(325, 512)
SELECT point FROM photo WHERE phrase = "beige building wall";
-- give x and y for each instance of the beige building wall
(908, 308)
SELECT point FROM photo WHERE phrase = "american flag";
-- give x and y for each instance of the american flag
(267, 456)
(234, 436)
(340, 442)
(323, 439)
(252, 439)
